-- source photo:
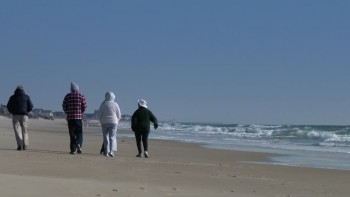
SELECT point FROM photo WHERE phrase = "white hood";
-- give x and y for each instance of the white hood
(109, 96)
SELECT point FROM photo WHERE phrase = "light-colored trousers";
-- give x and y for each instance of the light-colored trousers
(20, 125)
(109, 137)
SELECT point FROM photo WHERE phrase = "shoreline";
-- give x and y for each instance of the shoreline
(273, 156)
(173, 169)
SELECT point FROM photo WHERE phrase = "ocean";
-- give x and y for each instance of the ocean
(296, 145)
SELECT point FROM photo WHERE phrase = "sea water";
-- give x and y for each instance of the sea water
(295, 145)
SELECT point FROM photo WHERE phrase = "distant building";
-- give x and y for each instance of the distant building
(92, 115)
(126, 117)
(3, 110)
(59, 114)
(42, 113)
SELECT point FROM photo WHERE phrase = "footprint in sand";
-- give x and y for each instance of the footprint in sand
(142, 188)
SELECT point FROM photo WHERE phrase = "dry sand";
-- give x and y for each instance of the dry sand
(173, 169)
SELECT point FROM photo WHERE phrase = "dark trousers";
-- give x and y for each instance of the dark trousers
(144, 138)
(75, 133)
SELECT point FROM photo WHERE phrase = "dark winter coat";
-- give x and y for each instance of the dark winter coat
(19, 103)
(140, 120)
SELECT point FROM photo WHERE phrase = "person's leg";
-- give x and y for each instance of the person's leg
(145, 143)
(79, 132)
(105, 139)
(24, 126)
(113, 138)
(102, 151)
(138, 143)
(18, 132)
(71, 128)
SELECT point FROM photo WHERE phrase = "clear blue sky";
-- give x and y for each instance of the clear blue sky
(279, 62)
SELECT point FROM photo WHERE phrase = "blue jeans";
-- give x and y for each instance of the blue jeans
(75, 133)
(109, 137)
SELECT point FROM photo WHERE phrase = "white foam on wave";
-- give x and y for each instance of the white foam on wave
(303, 138)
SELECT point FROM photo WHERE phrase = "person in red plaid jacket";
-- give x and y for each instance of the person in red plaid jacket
(74, 105)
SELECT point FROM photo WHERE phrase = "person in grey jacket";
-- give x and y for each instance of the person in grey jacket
(109, 115)
(19, 105)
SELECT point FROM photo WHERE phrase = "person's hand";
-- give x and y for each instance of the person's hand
(155, 126)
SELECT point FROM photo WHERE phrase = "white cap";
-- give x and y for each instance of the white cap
(142, 103)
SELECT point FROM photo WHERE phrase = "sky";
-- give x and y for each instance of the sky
(227, 61)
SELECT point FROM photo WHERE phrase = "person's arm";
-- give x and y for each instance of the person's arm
(154, 120)
(30, 105)
(10, 105)
(83, 104)
(100, 112)
(64, 104)
(133, 122)
(119, 114)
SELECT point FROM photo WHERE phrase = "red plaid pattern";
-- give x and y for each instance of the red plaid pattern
(74, 105)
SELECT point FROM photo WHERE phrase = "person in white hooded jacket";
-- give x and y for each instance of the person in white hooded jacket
(109, 116)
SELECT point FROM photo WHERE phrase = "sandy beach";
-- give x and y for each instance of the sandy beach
(173, 169)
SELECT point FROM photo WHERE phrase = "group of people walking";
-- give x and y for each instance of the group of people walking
(74, 106)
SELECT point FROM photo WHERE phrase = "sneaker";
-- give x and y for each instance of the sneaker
(146, 154)
(25, 147)
(138, 155)
(111, 154)
(79, 149)
(19, 148)
(72, 153)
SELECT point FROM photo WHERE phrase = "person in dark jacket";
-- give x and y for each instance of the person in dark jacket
(140, 124)
(19, 105)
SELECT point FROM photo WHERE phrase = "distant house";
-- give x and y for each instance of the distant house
(59, 114)
(42, 113)
(3, 110)
(126, 117)
(92, 116)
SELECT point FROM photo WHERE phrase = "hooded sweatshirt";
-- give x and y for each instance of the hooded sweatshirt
(109, 111)
(19, 103)
(74, 103)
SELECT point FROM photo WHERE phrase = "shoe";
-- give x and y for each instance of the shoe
(138, 155)
(111, 154)
(72, 153)
(79, 149)
(19, 148)
(146, 154)
(107, 155)
(25, 147)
